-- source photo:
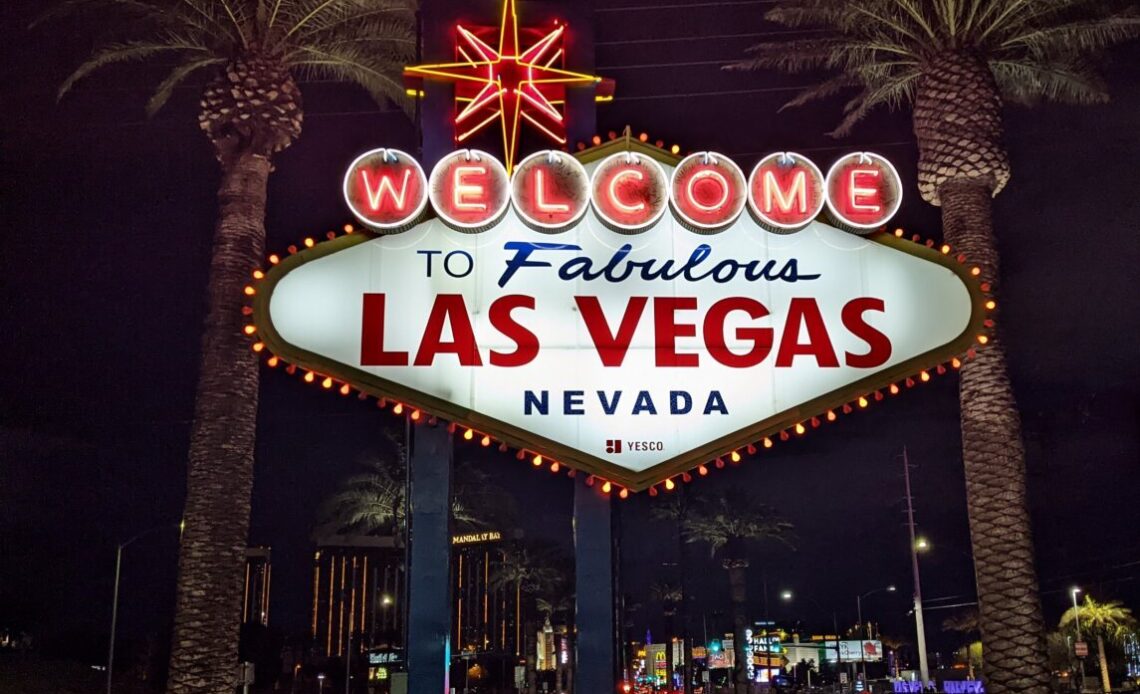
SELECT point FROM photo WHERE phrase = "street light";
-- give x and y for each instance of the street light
(787, 596)
(115, 595)
(1077, 620)
(859, 611)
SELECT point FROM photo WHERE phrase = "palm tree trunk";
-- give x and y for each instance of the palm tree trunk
(738, 593)
(1103, 658)
(204, 653)
(1010, 611)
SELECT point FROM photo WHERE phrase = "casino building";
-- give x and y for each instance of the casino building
(358, 602)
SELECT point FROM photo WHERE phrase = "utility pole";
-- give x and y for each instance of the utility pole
(923, 668)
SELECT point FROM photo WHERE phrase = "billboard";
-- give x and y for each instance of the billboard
(624, 313)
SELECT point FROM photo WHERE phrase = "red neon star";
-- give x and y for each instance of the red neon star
(508, 84)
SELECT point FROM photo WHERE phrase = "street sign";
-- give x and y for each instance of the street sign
(1081, 649)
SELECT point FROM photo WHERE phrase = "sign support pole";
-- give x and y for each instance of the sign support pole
(429, 584)
(595, 578)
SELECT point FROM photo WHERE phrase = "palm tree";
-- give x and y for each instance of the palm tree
(954, 61)
(251, 53)
(728, 524)
(532, 573)
(372, 500)
(1110, 621)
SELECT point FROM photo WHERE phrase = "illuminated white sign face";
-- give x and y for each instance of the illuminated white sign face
(635, 357)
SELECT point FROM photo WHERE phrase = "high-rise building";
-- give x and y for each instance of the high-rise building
(486, 613)
(358, 588)
(255, 600)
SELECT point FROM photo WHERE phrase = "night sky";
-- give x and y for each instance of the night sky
(108, 219)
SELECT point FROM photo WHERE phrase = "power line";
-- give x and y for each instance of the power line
(710, 37)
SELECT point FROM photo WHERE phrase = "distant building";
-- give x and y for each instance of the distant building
(258, 573)
(358, 586)
(485, 618)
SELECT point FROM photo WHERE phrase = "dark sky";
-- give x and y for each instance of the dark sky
(108, 220)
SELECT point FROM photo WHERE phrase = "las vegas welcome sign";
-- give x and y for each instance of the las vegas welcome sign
(622, 311)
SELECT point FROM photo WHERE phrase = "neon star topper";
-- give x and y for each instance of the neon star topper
(509, 84)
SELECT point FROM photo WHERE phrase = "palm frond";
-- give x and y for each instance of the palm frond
(131, 51)
(892, 93)
(176, 76)
(349, 63)
(1026, 82)
(1088, 36)
(70, 8)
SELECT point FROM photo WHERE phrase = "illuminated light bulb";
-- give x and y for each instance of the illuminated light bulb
(847, 409)
(894, 389)
(945, 249)
(607, 487)
(327, 383)
(735, 456)
(767, 442)
(247, 310)
(702, 471)
(982, 339)
(878, 395)
(597, 139)
(670, 485)
(399, 408)
(310, 376)
(537, 460)
(923, 376)
(675, 149)
(784, 436)
(249, 291)
(624, 493)
(899, 233)
(991, 305)
(415, 415)
(751, 449)
(831, 416)
(686, 477)
(258, 274)
(309, 242)
(292, 249)
(863, 401)
(989, 323)
(486, 441)
(975, 271)
(291, 369)
(345, 389)
(249, 329)
(272, 362)
(984, 286)
(274, 259)
(348, 229)
(468, 435)
(644, 137)
(555, 467)
(909, 382)
(815, 422)
(800, 428)
(258, 346)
